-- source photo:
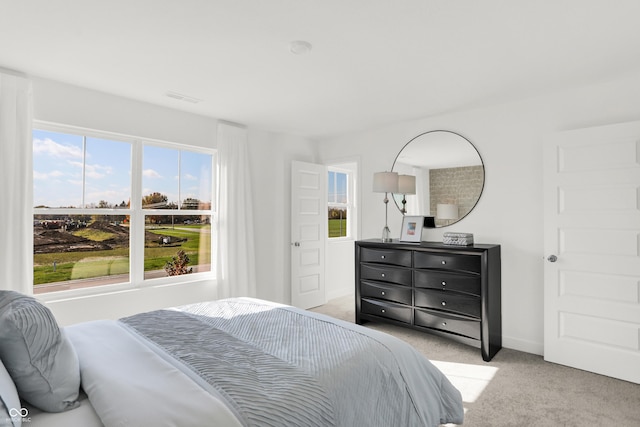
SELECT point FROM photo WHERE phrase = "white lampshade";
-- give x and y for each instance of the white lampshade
(446, 211)
(406, 184)
(385, 182)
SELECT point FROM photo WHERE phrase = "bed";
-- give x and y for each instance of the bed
(232, 362)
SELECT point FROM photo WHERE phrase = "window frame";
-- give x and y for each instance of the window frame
(348, 205)
(135, 211)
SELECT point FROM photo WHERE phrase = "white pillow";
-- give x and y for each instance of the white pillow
(38, 356)
(9, 401)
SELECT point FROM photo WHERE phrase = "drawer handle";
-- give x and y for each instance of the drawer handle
(444, 303)
(444, 323)
(444, 262)
(383, 256)
(383, 311)
(382, 292)
(382, 274)
(444, 283)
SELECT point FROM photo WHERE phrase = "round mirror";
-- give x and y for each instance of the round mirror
(441, 176)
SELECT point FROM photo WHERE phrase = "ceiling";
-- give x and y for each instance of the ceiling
(373, 62)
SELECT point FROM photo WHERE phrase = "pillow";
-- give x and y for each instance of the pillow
(9, 400)
(39, 357)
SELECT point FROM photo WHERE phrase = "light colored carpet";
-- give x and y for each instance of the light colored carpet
(516, 388)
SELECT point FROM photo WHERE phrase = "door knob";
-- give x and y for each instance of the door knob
(552, 258)
(296, 244)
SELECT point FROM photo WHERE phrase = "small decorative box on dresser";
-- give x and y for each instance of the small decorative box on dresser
(451, 291)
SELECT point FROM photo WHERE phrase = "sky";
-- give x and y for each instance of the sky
(59, 161)
(337, 187)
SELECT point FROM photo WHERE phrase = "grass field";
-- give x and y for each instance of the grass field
(337, 227)
(156, 256)
(63, 266)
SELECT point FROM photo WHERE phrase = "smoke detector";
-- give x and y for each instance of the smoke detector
(299, 47)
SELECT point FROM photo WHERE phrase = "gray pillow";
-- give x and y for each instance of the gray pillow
(9, 400)
(39, 357)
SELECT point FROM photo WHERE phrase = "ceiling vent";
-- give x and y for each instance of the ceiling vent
(181, 97)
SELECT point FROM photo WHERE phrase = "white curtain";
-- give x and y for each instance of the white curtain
(16, 186)
(236, 249)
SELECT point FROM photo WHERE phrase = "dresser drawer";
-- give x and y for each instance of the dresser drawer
(447, 323)
(459, 262)
(386, 256)
(401, 294)
(468, 283)
(467, 305)
(388, 310)
(386, 274)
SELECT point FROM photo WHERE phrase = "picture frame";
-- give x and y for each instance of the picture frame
(412, 229)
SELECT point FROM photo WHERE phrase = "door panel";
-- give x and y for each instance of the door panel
(308, 234)
(592, 225)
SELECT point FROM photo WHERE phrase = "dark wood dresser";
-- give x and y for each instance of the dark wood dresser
(447, 290)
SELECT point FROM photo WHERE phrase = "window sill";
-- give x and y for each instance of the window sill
(340, 239)
(120, 288)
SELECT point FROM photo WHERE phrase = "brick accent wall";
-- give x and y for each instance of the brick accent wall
(461, 186)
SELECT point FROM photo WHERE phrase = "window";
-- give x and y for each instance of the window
(339, 202)
(102, 201)
(177, 196)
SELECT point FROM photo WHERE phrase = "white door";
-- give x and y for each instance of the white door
(308, 234)
(592, 246)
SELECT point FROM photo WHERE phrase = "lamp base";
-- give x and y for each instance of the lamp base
(386, 235)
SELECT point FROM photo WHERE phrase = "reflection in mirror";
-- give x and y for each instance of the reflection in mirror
(449, 176)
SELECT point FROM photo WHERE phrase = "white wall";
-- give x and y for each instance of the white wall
(509, 138)
(340, 268)
(71, 105)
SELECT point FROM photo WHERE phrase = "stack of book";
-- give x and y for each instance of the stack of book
(460, 239)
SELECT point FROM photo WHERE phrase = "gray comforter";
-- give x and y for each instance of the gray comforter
(275, 365)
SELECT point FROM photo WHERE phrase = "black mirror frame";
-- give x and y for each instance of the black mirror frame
(479, 156)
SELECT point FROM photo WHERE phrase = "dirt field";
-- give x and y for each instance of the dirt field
(60, 240)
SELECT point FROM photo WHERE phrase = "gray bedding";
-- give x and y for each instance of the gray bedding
(278, 366)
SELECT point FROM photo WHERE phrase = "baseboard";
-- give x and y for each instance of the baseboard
(523, 345)
(339, 293)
